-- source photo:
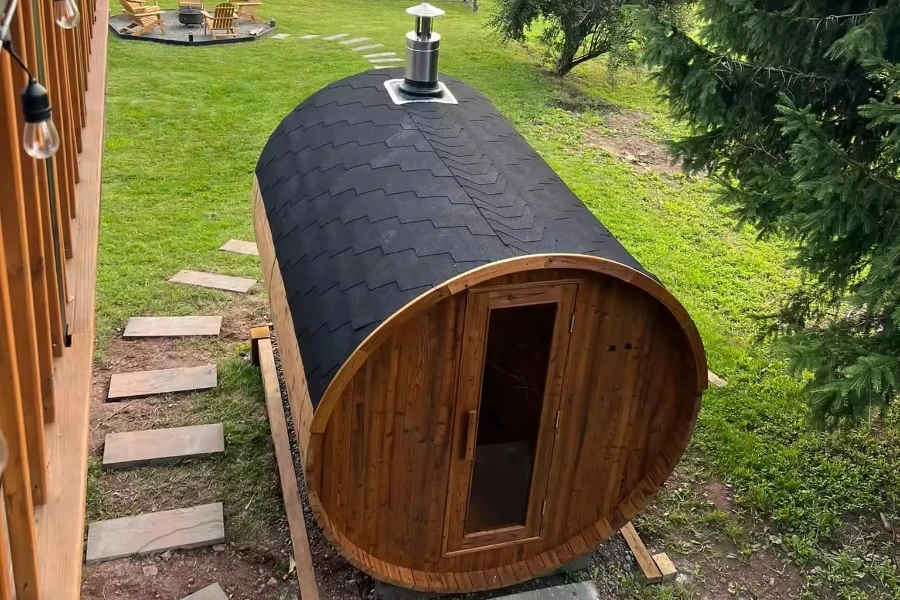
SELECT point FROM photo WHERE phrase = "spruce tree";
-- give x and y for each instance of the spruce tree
(793, 108)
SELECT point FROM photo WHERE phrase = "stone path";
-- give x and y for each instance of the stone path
(193, 527)
(186, 527)
(172, 326)
(214, 280)
(240, 247)
(353, 43)
(163, 381)
(210, 592)
(162, 446)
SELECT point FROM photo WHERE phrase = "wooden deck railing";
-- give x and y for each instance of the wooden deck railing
(38, 217)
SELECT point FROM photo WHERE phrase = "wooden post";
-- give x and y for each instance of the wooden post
(16, 480)
(56, 78)
(34, 175)
(15, 245)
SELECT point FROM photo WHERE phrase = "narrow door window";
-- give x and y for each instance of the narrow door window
(513, 363)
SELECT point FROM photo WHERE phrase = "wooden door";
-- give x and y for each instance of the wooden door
(512, 366)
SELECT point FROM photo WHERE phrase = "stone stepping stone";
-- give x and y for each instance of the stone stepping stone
(241, 247)
(386, 60)
(368, 47)
(386, 66)
(331, 38)
(585, 590)
(379, 54)
(355, 41)
(214, 280)
(155, 532)
(310, 36)
(281, 36)
(171, 326)
(150, 383)
(715, 379)
(161, 446)
(210, 592)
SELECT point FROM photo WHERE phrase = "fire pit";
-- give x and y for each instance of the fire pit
(190, 17)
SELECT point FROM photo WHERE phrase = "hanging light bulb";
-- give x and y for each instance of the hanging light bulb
(66, 13)
(40, 138)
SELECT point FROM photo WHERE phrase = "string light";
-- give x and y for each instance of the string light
(40, 139)
(66, 13)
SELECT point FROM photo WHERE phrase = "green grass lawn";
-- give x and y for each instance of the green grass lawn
(186, 126)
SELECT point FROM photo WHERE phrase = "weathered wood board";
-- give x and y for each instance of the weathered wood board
(240, 247)
(172, 326)
(214, 280)
(666, 566)
(159, 446)
(641, 555)
(156, 532)
(163, 381)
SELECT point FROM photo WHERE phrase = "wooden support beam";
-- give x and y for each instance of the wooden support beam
(13, 231)
(256, 334)
(641, 555)
(306, 575)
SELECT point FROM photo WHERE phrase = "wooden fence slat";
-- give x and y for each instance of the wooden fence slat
(15, 245)
(33, 171)
(16, 481)
(59, 97)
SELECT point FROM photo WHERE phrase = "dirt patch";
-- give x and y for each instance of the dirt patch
(624, 141)
(720, 574)
(719, 494)
(243, 575)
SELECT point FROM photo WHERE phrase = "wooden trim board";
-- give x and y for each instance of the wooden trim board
(306, 576)
(240, 247)
(666, 566)
(193, 527)
(160, 446)
(163, 381)
(215, 281)
(172, 326)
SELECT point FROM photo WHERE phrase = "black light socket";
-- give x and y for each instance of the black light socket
(35, 103)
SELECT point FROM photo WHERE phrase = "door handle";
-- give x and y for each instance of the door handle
(470, 434)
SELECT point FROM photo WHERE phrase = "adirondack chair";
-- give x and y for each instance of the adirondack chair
(143, 18)
(190, 4)
(220, 24)
(246, 9)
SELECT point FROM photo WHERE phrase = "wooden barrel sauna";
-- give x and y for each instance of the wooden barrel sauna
(484, 383)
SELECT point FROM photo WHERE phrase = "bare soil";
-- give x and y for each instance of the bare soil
(242, 574)
(624, 141)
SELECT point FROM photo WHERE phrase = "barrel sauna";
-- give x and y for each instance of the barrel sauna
(484, 383)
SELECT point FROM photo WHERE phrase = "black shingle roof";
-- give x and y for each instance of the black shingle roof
(371, 204)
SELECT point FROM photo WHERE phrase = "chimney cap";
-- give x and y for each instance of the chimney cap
(424, 10)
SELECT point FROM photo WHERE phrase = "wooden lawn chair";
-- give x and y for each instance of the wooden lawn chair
(190, 4)
(220, 24)
(246, 9)
(143, 18)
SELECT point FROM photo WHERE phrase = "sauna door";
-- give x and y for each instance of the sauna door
(513, 360)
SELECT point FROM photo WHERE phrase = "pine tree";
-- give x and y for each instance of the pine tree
(794, 110)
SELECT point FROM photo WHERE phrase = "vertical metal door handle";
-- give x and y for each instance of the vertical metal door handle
(470, 434)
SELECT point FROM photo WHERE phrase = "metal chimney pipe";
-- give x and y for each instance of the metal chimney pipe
(422, 46)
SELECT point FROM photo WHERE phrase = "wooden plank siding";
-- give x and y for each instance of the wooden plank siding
(44, 386)
(381, 484)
